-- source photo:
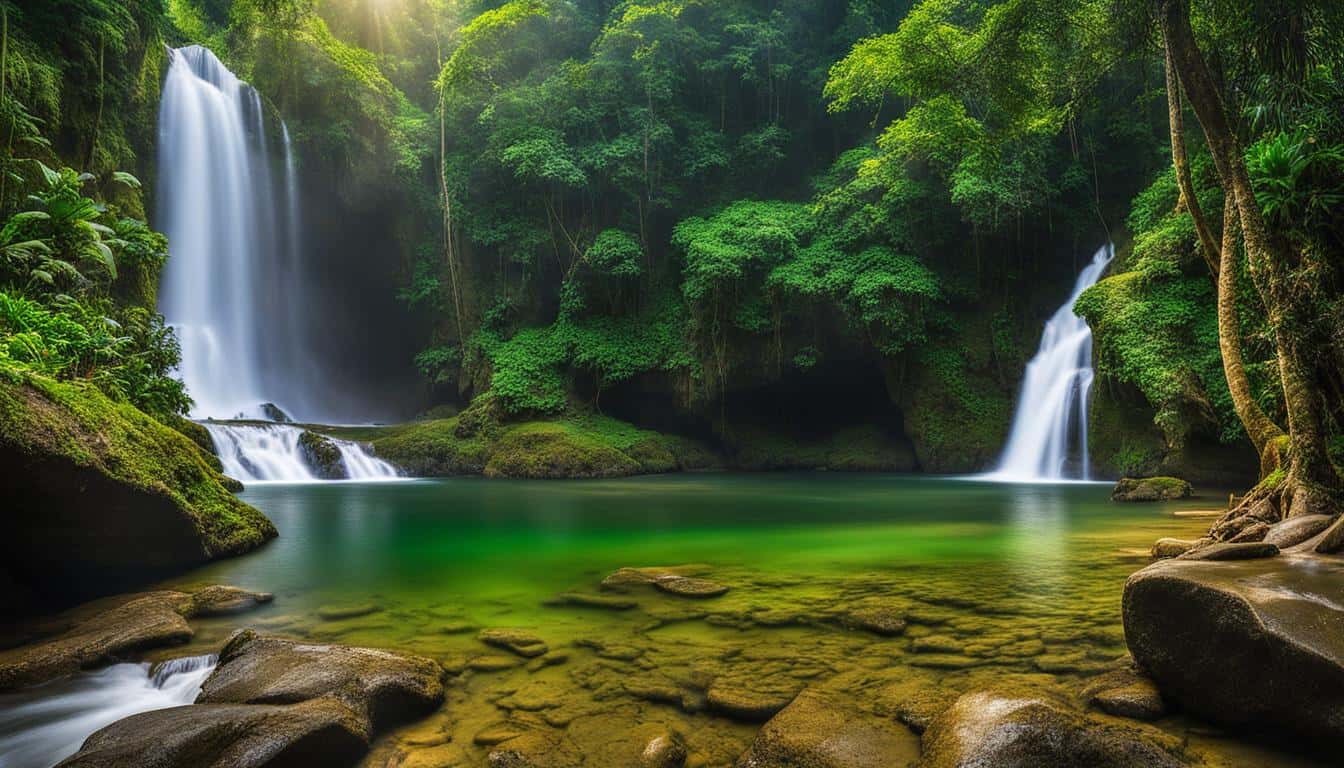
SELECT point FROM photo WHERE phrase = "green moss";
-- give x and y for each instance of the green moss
(956, 411)
(77, 424)
(580, 445)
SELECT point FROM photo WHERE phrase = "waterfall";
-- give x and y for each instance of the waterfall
(43, 725)
(1051, 411)
(232, 287)
(273, 453)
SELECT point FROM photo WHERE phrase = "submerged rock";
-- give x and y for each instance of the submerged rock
(1125, 692)
(322, 456)
(273, 701)
(1252, 644)
(101, 496)
(1026, 728)
(752, 700)
(674, 580)
(1151, 489)
(819, 730)
(115, 629)
(515, 641)
(536, 749)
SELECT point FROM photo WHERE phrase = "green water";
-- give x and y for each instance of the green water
(994, 580)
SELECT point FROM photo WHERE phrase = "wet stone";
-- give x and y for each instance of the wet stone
(689, 586)
(515, 641)
(747, 700)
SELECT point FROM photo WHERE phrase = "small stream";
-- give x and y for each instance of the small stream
(43, 725)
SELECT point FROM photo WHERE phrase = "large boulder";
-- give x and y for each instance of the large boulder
(275, 702)
(100, 496)
(1150, 489)
(111, 630)
(1030, 728)
(1254, 644)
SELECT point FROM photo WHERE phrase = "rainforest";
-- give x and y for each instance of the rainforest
(663, 383)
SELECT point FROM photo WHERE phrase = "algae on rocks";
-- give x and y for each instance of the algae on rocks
(101, 495)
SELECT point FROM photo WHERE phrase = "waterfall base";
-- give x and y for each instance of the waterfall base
(280, 453)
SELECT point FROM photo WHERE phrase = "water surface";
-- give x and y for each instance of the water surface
(996, 581)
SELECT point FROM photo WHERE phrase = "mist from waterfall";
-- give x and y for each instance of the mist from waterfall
(1050, 423)
(233, 287)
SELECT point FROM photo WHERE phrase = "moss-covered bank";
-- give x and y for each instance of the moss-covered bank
(99, 494)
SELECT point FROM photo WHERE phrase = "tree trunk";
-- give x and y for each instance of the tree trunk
(1259, 427)
(1181, 164)
(1312, 479)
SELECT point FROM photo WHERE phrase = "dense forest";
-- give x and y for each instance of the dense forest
(700, 215)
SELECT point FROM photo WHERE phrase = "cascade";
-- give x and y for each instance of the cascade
(41, 726)
(232, 288)
(272, 453)
(1051, 414)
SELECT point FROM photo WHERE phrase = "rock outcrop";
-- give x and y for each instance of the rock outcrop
(112, 630)
(275, 702)
(321, 455)
(1255, 644)
(1150, 489)
(102, 496)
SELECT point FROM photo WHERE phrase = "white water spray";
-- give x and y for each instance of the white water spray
(1051, 412)
(273, 453)
(232, 287)
(41, 726)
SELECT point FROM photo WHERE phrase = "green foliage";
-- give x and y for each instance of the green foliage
(615, 253)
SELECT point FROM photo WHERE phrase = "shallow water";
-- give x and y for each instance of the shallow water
(996, 582)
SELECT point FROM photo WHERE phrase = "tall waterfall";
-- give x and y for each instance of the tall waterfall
(1051, 411)
(232, 287)
(273, 453)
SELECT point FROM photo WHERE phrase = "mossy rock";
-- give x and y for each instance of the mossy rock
(321, 455)
(100, 495)
(1151, 489)
(553, 450)
(576, 446)
(199, 435)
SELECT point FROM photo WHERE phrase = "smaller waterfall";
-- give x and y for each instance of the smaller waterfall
(273, 453)
(1051, 411)
(43, 725)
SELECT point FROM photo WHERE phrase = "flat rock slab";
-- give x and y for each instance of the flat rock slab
(582, 600)
(1251, 643)
(273, 701)
(751, 701)
(820, 730)
(115, 629)
(689, 586)
(515, 641)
